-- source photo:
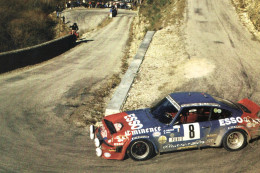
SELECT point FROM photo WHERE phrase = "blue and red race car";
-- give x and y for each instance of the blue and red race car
(180, 121)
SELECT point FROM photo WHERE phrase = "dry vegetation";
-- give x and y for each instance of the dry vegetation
(26, 23)
(251, 8)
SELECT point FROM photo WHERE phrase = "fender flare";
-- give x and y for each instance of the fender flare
(243, 129)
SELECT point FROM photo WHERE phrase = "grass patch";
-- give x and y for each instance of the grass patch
(161, 12)
(91, 108)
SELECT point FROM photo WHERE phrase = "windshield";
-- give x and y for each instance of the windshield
(164, 111)
(110, 126)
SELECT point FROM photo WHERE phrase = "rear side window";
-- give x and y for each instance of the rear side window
(218, 113)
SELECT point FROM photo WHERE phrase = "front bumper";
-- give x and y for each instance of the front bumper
(105, 150)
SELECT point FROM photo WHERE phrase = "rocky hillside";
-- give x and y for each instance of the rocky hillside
(249, 11)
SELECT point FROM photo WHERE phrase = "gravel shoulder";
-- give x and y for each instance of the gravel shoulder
(210, 51)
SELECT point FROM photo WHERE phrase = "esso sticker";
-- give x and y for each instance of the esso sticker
(133, 122)
(229, 121)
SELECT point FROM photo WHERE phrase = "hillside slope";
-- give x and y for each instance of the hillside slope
(209, 51)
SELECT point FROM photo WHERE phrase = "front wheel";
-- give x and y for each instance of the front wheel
(140, 150)
(234, 140)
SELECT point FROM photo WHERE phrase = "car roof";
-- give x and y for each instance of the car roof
(184, 98)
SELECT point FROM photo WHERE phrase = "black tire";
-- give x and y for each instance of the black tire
(140, 150)
(235, 140)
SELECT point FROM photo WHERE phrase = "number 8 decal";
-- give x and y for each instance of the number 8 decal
(191, 131)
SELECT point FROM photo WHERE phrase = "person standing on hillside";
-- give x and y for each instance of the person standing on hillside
(58, 10)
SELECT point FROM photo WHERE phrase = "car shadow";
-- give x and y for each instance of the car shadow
(254, 140)
(80, 41)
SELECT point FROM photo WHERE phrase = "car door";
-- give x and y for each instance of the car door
(190, 129)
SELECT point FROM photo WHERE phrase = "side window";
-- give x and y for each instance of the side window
(218, 113)
(194, 114)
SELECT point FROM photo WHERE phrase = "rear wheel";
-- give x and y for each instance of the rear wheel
(234, 140)
(140, 150)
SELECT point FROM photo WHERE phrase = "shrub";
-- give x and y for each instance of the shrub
(152, 10)
(26, 23)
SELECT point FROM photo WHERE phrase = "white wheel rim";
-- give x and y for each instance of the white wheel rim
(235, 140)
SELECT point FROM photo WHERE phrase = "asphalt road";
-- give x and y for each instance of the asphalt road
(34, 137)
(34, 132)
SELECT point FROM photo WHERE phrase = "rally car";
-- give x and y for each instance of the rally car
(180, 121)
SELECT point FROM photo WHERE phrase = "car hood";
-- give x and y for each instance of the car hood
(137, 120)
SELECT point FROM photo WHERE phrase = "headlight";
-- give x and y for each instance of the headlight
(98, 152)
(91, 131)
(97, 142)
(92, 136)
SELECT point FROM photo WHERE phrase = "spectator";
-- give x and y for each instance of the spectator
(74, 28)
(58, 10)
(69, 4)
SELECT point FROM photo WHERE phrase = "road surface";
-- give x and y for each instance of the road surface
(34, 135)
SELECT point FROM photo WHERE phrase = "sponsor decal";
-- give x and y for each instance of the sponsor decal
(162, 139)
(171, 146)
(212, 135)
(188, 147)
(107, 155)
(156, 134)
(174, 103)
(172, 135)
(103, 132)
(143, 131)
(176, 139)
(120, 138)
(210, 141)
(200, 104)
(217, 111)
(233, 127)
(174, 129)
(139, 137)
(118, 144)
(229, 121)
(133, 121)
(251, 122)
